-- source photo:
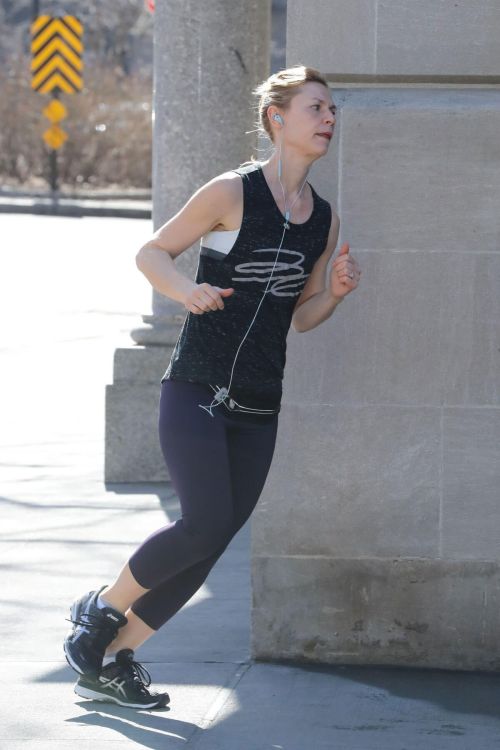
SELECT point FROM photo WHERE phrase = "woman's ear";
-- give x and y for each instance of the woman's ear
(275, 118)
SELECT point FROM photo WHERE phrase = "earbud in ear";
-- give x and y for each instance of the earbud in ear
(278, 118)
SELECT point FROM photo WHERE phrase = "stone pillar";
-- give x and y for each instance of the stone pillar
(376, 538)
(207, 59)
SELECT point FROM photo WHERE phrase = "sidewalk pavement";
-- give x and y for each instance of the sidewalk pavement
(63, 532)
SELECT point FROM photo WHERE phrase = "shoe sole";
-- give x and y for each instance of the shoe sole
(84, 692)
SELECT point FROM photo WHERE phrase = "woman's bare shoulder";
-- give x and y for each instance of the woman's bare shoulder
(226, 184)
(225, 191)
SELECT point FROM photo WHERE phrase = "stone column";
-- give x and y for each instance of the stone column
(208, 57)
(376, 538)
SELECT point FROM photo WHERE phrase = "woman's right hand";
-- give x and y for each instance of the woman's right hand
(205, 297)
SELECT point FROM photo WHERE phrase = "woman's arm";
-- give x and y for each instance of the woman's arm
(319, 298)
(318, 308)
(207, 208)
(316, 302)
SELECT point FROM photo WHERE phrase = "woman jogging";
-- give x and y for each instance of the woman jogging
(266, 239)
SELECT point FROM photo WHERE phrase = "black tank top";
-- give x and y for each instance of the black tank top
(207, 344)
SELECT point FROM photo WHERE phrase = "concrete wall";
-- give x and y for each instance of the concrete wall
(376, 538)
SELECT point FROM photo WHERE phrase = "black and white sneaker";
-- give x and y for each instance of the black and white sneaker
(123, 681)
(78, 606)
(94, 629)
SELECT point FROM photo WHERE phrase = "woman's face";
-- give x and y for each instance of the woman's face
(309, 120)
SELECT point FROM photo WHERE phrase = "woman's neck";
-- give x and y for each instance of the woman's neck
(293, 173)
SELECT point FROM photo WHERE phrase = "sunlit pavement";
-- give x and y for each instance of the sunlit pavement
(69, 294)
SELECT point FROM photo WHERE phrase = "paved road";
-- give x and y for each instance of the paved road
(69, 294)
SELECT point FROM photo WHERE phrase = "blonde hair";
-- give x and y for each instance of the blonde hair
(279, 89)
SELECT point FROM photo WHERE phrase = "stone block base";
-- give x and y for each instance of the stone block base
(132, 446)
(399, 612)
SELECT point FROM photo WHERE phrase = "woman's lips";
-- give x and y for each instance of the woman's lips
(328, 136)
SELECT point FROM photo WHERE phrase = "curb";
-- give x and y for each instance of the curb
(66, 207)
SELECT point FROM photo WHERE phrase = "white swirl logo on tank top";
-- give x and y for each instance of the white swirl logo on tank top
(260, 270)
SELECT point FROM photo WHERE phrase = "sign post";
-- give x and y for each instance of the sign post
(56, 67)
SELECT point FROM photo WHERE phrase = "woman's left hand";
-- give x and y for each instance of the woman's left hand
(344, 273)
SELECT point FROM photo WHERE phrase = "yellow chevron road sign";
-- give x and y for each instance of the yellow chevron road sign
(57, 48)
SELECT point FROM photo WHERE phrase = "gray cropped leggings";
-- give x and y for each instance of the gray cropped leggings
(218, 467)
